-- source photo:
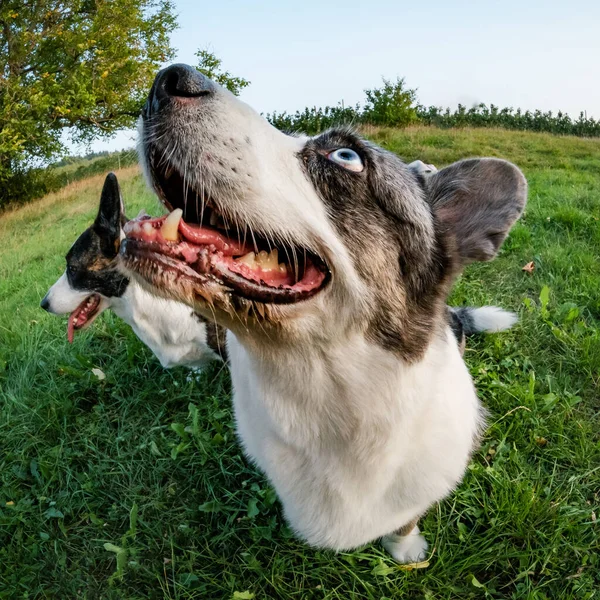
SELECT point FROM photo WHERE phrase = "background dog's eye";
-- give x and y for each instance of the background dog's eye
(347, 158)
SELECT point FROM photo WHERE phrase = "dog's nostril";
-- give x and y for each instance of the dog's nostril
(184, 81)
(45, 304)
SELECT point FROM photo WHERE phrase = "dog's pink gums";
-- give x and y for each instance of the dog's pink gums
(209, 250)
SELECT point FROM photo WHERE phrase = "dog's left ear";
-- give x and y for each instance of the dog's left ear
(108, 221)
(477, 201)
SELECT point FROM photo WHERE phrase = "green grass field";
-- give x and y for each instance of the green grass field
(134, 486)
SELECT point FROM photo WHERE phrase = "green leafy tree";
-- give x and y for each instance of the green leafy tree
(210, 65)
(79, 65)
(393, 105)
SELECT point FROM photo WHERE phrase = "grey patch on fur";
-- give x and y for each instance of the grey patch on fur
(386, 223)
(392, 227)
(410, 233)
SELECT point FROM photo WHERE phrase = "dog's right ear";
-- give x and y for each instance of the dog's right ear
(477, 201)
(108, 222)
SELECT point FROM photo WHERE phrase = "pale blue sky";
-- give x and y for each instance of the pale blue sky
(529, 53)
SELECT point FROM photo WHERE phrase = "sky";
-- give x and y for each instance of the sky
(528, 53)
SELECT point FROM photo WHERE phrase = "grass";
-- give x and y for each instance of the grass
(134, 486)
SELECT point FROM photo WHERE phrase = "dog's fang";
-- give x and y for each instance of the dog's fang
(169, 229)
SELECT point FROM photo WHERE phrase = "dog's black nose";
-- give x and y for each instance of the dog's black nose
(45, 304)
(177, 81)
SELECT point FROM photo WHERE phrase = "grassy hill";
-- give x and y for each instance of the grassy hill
(146, 459)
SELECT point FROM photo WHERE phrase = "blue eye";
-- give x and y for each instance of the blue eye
(347, 158)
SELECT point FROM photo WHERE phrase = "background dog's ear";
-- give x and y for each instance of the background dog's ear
(477, 201)
(108, 221)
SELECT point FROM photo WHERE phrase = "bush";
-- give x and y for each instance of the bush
(392, 105)
(314, 120)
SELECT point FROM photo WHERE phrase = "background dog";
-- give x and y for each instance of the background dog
(91, 284)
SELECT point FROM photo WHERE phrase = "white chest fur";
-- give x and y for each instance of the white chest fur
(167, 327)
(356, 442)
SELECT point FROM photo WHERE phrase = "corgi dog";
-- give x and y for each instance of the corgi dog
(92, 284)
(329, 261)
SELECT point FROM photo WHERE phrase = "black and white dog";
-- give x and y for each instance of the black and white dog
(329, 262)
(91, 283)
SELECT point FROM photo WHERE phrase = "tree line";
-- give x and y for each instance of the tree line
(394, 105)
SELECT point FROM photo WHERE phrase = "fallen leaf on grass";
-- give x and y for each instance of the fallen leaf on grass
(529, 267)
(99, 373)
(411, 566)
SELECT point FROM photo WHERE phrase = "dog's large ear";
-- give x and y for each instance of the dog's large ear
(477, 201)
(108, 221)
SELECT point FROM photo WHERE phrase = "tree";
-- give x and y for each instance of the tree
(393, 105)
(210, 65)
(78, 65)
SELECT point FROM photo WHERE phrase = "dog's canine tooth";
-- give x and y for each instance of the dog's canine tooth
(169, 229)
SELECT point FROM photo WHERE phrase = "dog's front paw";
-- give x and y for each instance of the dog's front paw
(411, 548)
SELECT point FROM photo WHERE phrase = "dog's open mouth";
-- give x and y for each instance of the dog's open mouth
(196, 242)
(83, 315)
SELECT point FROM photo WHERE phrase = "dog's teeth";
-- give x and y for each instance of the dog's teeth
(148, 229)
(214, 219)
(169, 229)
(282, 268)
(248, 259)
(268, 261)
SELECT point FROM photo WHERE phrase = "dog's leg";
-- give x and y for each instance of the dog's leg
(406, 545)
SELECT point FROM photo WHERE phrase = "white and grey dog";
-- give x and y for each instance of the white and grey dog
(91, 284)
(329, 261)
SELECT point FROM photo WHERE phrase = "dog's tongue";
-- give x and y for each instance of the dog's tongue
(82, 314)
(71, 326)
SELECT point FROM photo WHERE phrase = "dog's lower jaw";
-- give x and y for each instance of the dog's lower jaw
(356, 442)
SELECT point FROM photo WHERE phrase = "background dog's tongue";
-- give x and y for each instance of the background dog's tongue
(71, 326)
